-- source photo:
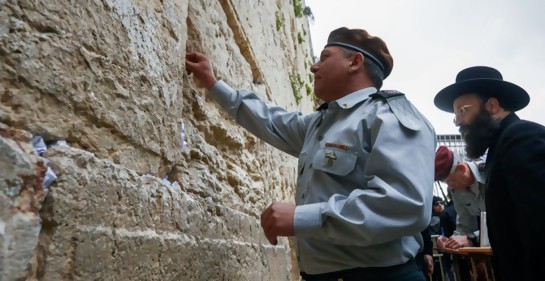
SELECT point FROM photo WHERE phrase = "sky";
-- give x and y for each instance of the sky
(432, 40)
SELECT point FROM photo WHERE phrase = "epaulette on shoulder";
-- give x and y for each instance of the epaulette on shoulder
(401, 107)
(387, 94)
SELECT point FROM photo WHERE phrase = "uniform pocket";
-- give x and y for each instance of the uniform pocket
(335, 161)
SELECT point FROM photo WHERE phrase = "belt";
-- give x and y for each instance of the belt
(365, 273)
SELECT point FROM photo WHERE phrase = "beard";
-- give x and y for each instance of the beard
(479, 133)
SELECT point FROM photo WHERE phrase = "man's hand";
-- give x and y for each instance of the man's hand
(429, 261)
(201, 67)
(457, 242)
(277, 220)
(441, 242)
(460, 178)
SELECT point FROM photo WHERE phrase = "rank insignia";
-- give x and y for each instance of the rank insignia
(330, 155)
(339, 146)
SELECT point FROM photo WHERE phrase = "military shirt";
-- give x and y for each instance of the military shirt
(365, 175)
(470, 203)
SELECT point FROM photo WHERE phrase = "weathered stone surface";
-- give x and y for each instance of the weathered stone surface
(108, 77)
(21, 193)
(104, 222)
(109, 83)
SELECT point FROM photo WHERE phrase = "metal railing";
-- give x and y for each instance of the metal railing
(454, 142)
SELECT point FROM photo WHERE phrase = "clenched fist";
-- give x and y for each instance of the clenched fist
(200, 66)
(277, 220)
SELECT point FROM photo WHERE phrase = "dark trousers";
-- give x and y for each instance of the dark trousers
(404, 272)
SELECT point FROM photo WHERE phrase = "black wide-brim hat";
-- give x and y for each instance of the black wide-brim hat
(485, 81)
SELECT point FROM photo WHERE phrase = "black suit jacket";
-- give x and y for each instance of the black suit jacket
(447, 220)
(515, 200)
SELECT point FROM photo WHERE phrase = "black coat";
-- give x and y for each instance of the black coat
(515, 200)
(448, 220)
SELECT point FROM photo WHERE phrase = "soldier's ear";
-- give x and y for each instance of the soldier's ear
(356, 62)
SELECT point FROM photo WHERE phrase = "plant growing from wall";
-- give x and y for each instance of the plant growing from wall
(295, 88)
(279, 21)
(298, 8)
(309, 90)
(315, 101)
(300, 38)
(300, 81)
(308, 13)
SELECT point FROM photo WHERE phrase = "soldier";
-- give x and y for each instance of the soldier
(365, 163)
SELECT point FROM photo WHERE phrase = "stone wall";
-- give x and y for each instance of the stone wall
(108, 77)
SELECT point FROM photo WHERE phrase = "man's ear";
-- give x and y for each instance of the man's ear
(492, 105)
(357, 62)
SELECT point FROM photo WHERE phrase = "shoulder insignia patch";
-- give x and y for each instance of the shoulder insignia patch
(402, 108)
(387, 94)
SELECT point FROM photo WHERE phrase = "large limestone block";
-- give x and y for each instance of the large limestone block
(223, 161)
(231, 167)
(261, 56)
(105, 222)
(108, 77)
(103, 75)
(21, 193)
(277, 45)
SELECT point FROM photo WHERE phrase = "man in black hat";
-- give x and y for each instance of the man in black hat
(365, 164)
(484, 106)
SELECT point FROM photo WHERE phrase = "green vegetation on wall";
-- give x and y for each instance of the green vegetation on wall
(295, 88)
(298, 8)
(279, 21)
(300, 38)
(308, 13)
(297, 84)
(309, 90)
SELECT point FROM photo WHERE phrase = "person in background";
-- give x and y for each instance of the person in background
(464, 179)
(365, 170)
(447, 224)
(484, 107)
(424, 259)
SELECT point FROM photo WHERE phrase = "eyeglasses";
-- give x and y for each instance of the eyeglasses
(438, 203)
(460, 112)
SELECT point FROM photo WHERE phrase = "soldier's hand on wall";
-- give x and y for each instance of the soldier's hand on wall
(277, 220)
(201, 67)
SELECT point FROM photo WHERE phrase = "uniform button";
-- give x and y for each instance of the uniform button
(320, 138)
